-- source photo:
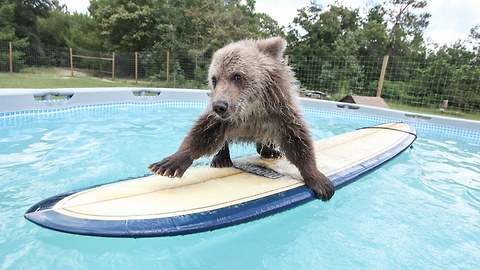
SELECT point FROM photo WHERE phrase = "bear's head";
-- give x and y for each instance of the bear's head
(245, 78)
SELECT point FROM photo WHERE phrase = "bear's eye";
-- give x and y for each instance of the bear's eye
(237, 78)
(214, 81)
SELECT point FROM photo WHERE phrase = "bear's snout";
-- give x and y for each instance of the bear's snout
(220, 108)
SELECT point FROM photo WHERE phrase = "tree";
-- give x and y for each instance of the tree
(332, 41)
(125, 25)
(452, 75)
(83, 33)
(212, 24)
(25, 17)
(266, 26)
(188, 30)
(53, 29)
(406, 34)
(323, 28)
(8, 34)
(7, 27)
(375, 32)
(474, 41)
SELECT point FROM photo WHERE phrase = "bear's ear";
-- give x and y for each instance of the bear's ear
(273, 47)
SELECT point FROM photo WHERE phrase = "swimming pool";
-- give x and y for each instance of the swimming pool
(421, 210)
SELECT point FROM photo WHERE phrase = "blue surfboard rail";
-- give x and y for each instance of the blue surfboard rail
(43, 215)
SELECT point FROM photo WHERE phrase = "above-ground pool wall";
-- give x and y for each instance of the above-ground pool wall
(18, 100)
(391, 115)
(12, 100)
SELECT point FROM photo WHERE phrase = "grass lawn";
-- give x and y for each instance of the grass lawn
(16, 81)
(59, 78)
(433, 111)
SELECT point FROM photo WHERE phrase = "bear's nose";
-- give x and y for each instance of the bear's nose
(220, 108)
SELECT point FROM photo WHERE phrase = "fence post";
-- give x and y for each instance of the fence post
(11, 57)
(136, 67)
(382, 75)
(113, 65)
(168, 65)
(71, 62)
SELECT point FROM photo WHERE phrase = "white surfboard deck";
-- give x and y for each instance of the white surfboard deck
(204, 190)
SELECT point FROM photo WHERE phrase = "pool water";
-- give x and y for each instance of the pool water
(419, 211)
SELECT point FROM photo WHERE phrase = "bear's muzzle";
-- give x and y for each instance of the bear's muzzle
(221, 108)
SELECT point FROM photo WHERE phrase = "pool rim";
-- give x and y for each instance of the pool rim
(15, 102)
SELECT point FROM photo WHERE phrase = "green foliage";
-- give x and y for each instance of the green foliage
(7, 27)
(375, 32)
(125, 25)
(408, 25)
(26, 13)
(54, 29)
(334, 52)
(8, 34)
(456, 78)
(190, 30)
(83, 33)
(333, 42)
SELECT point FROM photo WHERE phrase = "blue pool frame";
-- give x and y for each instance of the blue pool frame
(18, 102)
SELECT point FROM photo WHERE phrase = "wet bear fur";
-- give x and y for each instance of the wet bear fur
(253, 99)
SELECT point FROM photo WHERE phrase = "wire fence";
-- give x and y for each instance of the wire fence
(426, 82)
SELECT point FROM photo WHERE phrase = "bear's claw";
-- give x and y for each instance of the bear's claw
(322, 188)
(219, 162)
(222, 158)
(268, 151)
(172, 166)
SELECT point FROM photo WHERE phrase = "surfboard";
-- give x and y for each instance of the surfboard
(208, 198)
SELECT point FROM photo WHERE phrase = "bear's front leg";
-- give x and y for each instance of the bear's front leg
(173, 166)
(222, 158)
(298, 148)
(318, 183)
(205, 137)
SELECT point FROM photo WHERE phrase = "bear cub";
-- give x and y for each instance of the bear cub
(253, 99)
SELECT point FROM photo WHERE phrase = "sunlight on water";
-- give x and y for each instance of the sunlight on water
(419, 211)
